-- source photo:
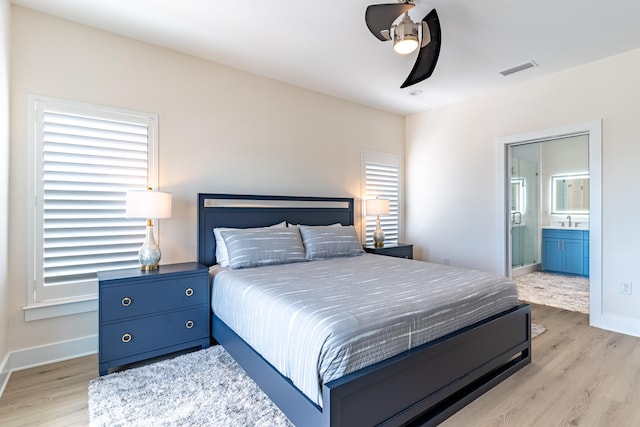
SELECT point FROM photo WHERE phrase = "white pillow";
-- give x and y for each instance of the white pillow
(222, 254)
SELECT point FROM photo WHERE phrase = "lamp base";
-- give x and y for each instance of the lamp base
(378, 236)
(149, 254)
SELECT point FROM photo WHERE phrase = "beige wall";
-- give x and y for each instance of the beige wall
(220, 130)
(451, 169)
(5, 13)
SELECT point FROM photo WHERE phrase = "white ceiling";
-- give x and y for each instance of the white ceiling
(324, 45)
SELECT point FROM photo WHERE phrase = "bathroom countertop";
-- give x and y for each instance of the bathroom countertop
(559, 227)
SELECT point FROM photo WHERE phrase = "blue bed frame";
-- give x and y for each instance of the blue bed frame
(422, 386)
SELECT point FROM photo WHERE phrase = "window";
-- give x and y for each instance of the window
(381, 178)
(83, 160)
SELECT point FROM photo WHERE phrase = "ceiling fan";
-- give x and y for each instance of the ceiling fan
(407, 35)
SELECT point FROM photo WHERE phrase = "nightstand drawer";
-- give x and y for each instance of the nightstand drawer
(142, 298)
(131, 337)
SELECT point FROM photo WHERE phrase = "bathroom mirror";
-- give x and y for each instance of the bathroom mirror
(570, 194)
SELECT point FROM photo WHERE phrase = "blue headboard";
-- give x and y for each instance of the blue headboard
(244, 211)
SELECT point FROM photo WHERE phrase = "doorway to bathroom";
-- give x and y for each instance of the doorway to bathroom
(549, 182)
(549, 202)
(593, 131)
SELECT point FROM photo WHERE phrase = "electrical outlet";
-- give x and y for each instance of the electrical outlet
(625, 288)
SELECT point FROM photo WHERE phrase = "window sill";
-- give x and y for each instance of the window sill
(58, 308)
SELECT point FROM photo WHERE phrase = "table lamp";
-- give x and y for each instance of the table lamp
(149, 204)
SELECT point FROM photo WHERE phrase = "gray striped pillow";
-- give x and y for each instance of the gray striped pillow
(256, 247)
(330, 242)
(222, 257)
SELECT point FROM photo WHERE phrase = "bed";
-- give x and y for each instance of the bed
(420, 386)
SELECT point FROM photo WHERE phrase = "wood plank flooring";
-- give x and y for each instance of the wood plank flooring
(52, 395)
(580, 376)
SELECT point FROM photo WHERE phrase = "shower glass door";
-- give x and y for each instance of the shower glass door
(524, 205)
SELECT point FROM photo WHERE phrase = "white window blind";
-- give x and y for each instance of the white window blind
(85, 160)
(381, 178)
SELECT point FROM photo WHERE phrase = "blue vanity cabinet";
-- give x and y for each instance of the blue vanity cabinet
(551, 253)
(565, 251)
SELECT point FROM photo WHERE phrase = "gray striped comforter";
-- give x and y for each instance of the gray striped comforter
(317, 321)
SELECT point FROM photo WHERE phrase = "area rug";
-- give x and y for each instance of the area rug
(537, 330)
(203, 388)
(555, 290)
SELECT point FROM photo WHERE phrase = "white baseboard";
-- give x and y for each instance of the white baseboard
(44, 355)
(611, 322)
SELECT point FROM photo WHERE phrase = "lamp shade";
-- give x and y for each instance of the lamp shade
(148, 204)
(377, 207)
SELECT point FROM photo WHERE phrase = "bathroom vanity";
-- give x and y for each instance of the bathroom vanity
(565, 250)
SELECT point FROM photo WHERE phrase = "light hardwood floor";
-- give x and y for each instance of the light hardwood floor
(580, 376)
(51, 395)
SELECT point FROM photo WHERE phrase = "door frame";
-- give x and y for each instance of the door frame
(594, 130)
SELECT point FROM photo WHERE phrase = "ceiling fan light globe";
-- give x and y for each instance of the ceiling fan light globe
(406, 45)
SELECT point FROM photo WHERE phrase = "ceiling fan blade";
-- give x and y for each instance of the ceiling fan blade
(428, 55)
(380, 17)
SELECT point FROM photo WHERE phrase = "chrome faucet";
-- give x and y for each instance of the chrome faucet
(569, 218)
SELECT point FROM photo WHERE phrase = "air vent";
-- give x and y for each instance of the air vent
(518, 68)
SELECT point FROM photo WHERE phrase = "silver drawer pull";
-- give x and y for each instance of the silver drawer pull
(126, 337)
(188, 292)
(189, 324)
(126, 301)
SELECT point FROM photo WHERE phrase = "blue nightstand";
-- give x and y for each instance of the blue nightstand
(145, 314)
(401, 250)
